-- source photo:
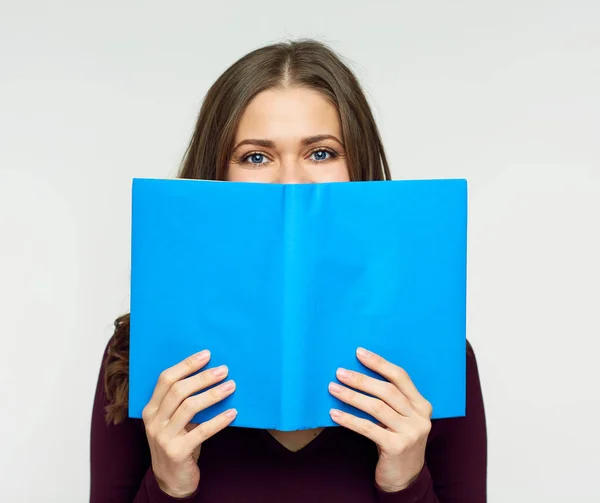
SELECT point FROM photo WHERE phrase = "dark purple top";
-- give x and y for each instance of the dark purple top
(245, 465)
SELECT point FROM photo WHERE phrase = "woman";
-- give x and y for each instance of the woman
(287, 113)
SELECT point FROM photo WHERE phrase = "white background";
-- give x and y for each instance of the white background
(503, 93)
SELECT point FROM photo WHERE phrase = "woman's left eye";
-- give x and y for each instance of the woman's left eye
(321, 155)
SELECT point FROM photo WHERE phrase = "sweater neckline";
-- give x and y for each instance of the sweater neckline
(282, 450)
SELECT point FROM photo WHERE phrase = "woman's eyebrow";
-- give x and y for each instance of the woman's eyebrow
(320, 137)
(309, 140)
(260, 143)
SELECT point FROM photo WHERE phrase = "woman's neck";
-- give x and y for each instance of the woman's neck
(295, 440)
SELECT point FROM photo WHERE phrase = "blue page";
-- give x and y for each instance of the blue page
(283, 282)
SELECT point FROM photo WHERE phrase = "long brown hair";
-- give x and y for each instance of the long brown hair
(305, 63)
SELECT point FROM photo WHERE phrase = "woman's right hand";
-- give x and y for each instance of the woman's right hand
(174, 442)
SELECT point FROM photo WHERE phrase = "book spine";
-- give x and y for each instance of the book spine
(291, 333)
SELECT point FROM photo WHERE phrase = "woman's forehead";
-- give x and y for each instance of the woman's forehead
(288, 113)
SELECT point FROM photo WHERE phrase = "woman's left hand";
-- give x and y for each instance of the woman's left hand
(404, 418)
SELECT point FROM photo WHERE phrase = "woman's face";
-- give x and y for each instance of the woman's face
(289, 136)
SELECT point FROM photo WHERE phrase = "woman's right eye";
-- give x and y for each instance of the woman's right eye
(256, 159)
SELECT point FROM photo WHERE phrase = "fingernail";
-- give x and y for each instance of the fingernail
(231, 413)
(335, 414)
(228, 386)
(220, 371)
(335, 388)
(343, 374)
(202, 355)
(363, 353)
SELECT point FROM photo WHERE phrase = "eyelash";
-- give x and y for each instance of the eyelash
(333, 153)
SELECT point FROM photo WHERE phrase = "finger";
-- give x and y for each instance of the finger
(363, 427)
(173, 374)
(196, 403)
(373, 406)
(396, 375)
(181, 390)
(209, 428)
(383, 390)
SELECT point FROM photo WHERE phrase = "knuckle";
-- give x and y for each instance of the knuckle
(207, 379)
(166, 378)
(177, 391)
(359, 379)
(400, 374)
(350, 394)
(189, 363)
(377, 407)
(366, 427)
(216, 393)
(151, 431)
(427, 409)
(162, 441)
(173, 452)
(426, 428)
(187, 406)
(413, 435)
(389, 389)
(399, 447)
(203, 379)
(406, 405)
(146, 414)
(201, 432)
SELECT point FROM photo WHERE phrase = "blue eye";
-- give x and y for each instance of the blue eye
(256, 159)
(321, 155)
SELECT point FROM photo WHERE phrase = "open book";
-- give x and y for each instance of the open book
(283, 282)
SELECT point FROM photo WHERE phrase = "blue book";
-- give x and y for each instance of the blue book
(282, 283)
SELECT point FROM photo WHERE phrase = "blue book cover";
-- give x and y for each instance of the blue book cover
(283, 282)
